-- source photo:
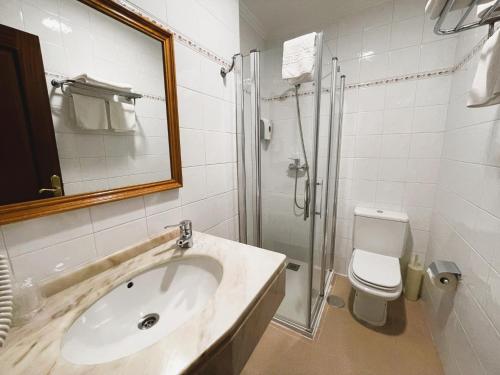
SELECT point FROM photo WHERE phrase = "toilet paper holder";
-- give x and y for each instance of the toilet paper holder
(441, 268)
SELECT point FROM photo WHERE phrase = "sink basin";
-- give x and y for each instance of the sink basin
(142, 311)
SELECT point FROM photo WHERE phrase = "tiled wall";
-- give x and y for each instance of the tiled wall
(392, 133)
(43, 246)
(465, 228)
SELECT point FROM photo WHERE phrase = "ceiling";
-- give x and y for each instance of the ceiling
(278, 19)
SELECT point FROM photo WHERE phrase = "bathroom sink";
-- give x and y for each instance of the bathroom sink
(141, 311)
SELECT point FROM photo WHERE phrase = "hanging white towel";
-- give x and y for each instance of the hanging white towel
(433, 8)
(485, 90)
(90, 112)
(483, 8)
(122, 116)
(86, 78)
(299, 57)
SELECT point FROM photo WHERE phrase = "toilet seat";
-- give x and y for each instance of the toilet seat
(376, 270)
(383, 282)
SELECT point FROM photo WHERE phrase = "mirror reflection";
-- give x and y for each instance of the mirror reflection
(106, 92)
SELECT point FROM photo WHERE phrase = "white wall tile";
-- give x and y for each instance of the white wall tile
(189, 106)
(437, 55)
(408, 8)
(376, 40)
(157, 223)
(407, 32)
(393, 169)
(349, 46)
(400, 95)
(193, 147)
(26, 236)
(429, 119)
(195, 182)
(220, 178)
(162, 201)
(48, 261)
(111, 214)
(120, 237)
(222, 147)
(426, 145)
(395, 145)
(390, 192)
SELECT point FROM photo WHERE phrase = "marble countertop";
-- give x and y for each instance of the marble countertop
(34, 348)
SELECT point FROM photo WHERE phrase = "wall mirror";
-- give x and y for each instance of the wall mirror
(89, 109)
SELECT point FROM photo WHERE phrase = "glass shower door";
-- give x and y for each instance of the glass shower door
(285, 178)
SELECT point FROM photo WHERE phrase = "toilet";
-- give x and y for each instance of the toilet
(379, 238)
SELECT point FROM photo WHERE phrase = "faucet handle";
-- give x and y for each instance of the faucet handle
(184, 225)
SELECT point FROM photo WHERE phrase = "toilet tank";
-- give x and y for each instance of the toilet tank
(380, 231)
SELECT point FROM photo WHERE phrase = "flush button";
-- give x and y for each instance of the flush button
(380, 211)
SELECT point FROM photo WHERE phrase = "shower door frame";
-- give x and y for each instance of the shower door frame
(326, 273)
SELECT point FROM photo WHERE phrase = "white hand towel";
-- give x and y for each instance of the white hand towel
(433, 8)
(122, 116)
(485, 90)
(86, 78)
(90, 112)
(299, 57)
(483, 8)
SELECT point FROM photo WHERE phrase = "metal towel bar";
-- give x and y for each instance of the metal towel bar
(486, 19)
(102, 89)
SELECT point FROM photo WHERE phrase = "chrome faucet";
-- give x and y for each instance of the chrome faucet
(186, 228)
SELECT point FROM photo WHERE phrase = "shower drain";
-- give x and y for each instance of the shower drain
(148, 321)
(292, 266)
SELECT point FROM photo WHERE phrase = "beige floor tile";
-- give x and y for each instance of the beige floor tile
(344, 346)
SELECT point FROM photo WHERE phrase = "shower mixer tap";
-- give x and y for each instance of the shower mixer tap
(295, 165)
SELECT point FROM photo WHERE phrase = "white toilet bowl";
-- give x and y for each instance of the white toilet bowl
(376, 279)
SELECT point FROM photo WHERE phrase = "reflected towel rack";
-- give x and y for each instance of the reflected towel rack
(102, 89)
(486, 19)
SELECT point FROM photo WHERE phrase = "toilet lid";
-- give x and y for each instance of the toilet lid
(376, 269)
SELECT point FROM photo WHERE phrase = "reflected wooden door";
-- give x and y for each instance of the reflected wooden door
(28, 151)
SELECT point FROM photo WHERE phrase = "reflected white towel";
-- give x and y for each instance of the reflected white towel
(122, 116)
(86, 78)
(299, 57)
(485, 90)
(433, 8)
(483, 8)
(90, 112)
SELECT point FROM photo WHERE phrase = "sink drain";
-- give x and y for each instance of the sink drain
(148, 321)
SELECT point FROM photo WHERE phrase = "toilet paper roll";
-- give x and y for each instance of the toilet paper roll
(444, 275)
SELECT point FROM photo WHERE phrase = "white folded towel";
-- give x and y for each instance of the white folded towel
(485, 90)
(86, 78)
(122, 116)
(299, 58)
(483, 8)
(90, 112)
(433, 8)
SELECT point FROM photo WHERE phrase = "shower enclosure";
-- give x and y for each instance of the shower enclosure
(287, 172)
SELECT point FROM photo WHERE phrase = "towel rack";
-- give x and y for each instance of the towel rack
(85, 85)
(484, 20)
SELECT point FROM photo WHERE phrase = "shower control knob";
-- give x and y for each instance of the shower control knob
(295, 163)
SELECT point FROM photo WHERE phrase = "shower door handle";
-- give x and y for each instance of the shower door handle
(318, 212)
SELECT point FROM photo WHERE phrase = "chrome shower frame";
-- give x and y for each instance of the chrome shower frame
(249, 178)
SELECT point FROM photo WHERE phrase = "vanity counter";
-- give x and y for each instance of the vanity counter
(252, 280)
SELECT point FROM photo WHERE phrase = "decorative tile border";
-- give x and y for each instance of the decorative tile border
(398, 79)
(186, 41)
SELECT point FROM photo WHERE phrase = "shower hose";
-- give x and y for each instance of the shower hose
(305, 207)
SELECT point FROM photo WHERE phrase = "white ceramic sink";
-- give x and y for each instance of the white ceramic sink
(140, 312)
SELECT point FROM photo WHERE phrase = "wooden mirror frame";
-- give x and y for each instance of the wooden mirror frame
(31, 209)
